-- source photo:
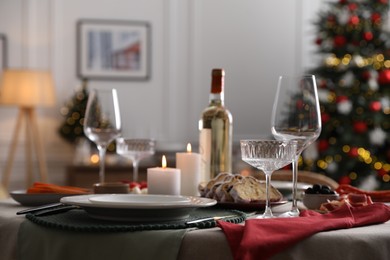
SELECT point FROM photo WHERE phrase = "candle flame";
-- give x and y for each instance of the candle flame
(164, 162)
(189, 148)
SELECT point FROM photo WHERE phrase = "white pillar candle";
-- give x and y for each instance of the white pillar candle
(163, 180)
(189, 165)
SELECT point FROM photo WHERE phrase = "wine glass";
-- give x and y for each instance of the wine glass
(135, 150)
(296, 116)
(102, 122)
(268, 156)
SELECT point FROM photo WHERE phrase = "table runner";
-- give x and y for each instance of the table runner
(263, 238)
(74, 237)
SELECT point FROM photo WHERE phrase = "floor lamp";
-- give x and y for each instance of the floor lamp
(27, 89)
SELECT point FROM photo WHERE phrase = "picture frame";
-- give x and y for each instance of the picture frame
(113, 50)
(3, 52)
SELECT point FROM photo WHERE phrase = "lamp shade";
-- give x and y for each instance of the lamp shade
(27, 88)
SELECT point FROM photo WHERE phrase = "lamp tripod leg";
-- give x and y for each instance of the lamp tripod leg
(38, 146)
(28, 147)
(11, 154)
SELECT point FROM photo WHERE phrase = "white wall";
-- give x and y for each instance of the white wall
(254, 41)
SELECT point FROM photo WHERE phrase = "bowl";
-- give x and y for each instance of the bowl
(110, 187)
(314, 201)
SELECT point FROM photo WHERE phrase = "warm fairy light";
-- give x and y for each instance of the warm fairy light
(380, 57)
(322, 164)
(377, 61)
(189, 148)
(377, 166)
(94, 158)
(352, 175)
(164, 162)
(346, 148)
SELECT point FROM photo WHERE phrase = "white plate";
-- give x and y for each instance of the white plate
(130, 207)
(287, 185)
(36, 199)
(141, 201)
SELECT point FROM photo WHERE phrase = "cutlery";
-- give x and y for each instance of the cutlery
(48, 209)
(208, 218)
(53, 211)
(43, 207)
(217, 218)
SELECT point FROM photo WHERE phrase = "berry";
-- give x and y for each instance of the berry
(319, 189)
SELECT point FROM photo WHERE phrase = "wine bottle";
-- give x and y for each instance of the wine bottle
(215, 131)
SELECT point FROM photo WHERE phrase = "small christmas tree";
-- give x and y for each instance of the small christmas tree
(74, 112)
(354, 91)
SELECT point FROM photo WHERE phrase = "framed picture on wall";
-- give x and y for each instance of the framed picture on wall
(3, 52)
(110, 49)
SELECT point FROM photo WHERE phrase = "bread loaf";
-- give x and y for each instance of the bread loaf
(227, 187)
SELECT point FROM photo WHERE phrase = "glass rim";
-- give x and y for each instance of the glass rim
(268, 140)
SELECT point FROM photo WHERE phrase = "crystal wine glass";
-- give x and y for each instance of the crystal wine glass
(102, 122)
(268, 156)
(135, 150)
(296, 116)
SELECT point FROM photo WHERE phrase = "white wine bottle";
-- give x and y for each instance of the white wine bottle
(215, 131)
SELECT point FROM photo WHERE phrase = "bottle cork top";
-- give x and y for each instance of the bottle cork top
(217, 81)
(218, 72)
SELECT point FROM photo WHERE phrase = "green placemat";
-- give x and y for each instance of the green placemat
(79, 220)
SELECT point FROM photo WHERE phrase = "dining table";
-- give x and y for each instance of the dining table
(21, 238)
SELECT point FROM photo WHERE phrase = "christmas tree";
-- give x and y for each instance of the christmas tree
(74, 111)
(354, 91)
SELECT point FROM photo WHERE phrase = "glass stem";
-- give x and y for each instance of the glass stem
(267, 212)
(102, 160)
(294, 208)
(135, 170)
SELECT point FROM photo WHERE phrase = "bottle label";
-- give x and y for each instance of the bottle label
(205, 154)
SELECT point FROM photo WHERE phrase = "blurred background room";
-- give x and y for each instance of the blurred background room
(254, 41)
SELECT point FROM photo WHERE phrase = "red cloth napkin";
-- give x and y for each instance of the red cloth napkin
(263, 238)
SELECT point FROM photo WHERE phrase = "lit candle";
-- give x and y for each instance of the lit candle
(189, 165)
(163, 180)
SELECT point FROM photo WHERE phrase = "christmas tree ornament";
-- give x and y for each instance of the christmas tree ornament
(344, 107)
(376, 18)
(339, 41)
(354, 20)
(385, 104)
(318, 41)
(377, 136)
(325, 118)
(375, 106)
(384, 77)
(323, 145)
(343, 16)
(332, 167)
(344, 180)
(360, 127)
(352, 6)
(353, 152)
(368, 36)
(347, 79)
(323, 95)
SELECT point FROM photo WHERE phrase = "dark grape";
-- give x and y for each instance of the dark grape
(319, 189)
(309, 191)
